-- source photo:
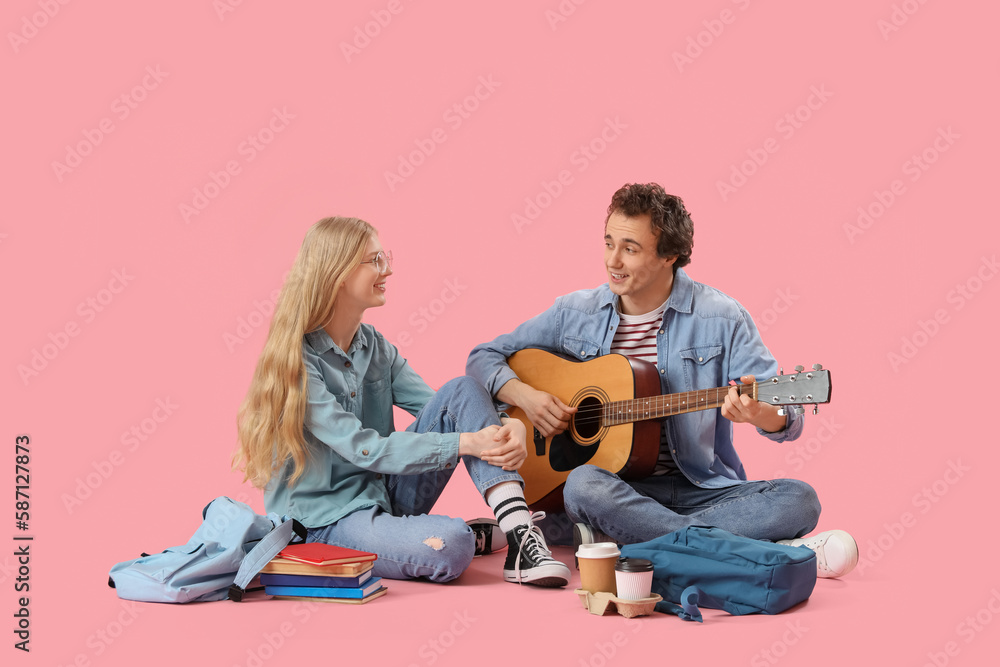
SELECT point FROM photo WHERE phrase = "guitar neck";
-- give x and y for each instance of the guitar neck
(658, 407)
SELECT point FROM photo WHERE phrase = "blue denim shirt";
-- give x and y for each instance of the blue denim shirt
(706, 340)
(349, 430)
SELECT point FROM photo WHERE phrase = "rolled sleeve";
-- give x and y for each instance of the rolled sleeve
(487, 363)
(751, 357)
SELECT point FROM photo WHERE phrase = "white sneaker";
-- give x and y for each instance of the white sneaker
(836, 552)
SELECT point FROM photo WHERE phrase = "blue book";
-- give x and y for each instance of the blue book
(309, 580)
(372, 586)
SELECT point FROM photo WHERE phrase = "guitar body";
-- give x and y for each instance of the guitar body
(619, 408)
(628, 449)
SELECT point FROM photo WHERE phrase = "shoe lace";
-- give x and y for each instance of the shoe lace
(532, 542)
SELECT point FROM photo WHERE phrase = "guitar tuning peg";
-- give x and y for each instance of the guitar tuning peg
(782, 412)
(798, 409)
(815, 409)
(817, 367)
(781, 370)
(799, 368)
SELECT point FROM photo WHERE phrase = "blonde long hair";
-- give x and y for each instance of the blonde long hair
(271, 418)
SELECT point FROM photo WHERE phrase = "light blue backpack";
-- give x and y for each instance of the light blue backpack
(220, 560)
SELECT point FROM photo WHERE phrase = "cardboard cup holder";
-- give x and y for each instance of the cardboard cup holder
(602, 604)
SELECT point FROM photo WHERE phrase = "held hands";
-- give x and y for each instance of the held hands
(743, 409)
(511, 446)
(502, 446)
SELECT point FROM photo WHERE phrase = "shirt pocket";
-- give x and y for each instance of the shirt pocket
(580, 348)
(702, 367)
(376, 404)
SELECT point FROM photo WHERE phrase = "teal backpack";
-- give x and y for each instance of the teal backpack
(220, 560)
(716, 569)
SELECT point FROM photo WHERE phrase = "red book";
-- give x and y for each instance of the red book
(318, 553)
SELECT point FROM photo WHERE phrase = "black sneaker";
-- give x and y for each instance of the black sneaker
(529, 560)
(489, 537)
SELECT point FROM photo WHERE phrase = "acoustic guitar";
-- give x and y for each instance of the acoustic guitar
(617, 424)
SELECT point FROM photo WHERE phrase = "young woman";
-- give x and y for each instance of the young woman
(316, 427)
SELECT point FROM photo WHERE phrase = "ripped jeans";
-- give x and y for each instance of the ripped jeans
(411, 543)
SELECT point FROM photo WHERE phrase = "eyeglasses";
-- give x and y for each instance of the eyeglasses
(382, 261)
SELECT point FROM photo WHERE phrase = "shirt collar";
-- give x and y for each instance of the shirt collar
(681, 294)
(321, 342)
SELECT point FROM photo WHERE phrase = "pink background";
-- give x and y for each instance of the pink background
(125, 304)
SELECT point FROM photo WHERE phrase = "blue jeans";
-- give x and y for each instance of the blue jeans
(642, 510)
(410, 542)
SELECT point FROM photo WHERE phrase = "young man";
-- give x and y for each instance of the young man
(698, 338)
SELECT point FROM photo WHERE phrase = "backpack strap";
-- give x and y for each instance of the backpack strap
(688, 608)
(266, 549)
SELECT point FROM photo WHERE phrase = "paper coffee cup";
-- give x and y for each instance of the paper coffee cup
(634, 578)
(597, 566)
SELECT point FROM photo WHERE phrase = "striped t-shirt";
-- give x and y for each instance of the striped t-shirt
(636, 338)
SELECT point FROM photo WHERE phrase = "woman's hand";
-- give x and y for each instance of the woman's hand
(511, 449)
(502, 446)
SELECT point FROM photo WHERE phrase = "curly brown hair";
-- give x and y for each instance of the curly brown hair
(669, 219)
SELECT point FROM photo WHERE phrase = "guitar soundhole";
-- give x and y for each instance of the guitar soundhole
(565, 454)
(580, 442)
(587, 421)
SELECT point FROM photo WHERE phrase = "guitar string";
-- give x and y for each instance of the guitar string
(624, 415)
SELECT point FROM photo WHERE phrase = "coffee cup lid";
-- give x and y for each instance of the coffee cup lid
(598, 550)
(633, 565)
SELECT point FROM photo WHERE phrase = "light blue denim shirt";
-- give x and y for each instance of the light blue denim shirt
(349, 430)
(706, 340)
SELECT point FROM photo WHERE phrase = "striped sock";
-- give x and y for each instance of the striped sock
(509, 507)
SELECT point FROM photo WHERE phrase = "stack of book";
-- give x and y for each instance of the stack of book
(322, 573)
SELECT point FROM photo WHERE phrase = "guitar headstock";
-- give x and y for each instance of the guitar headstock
(796, 389)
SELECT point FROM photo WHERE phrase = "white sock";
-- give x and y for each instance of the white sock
(508, 505)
